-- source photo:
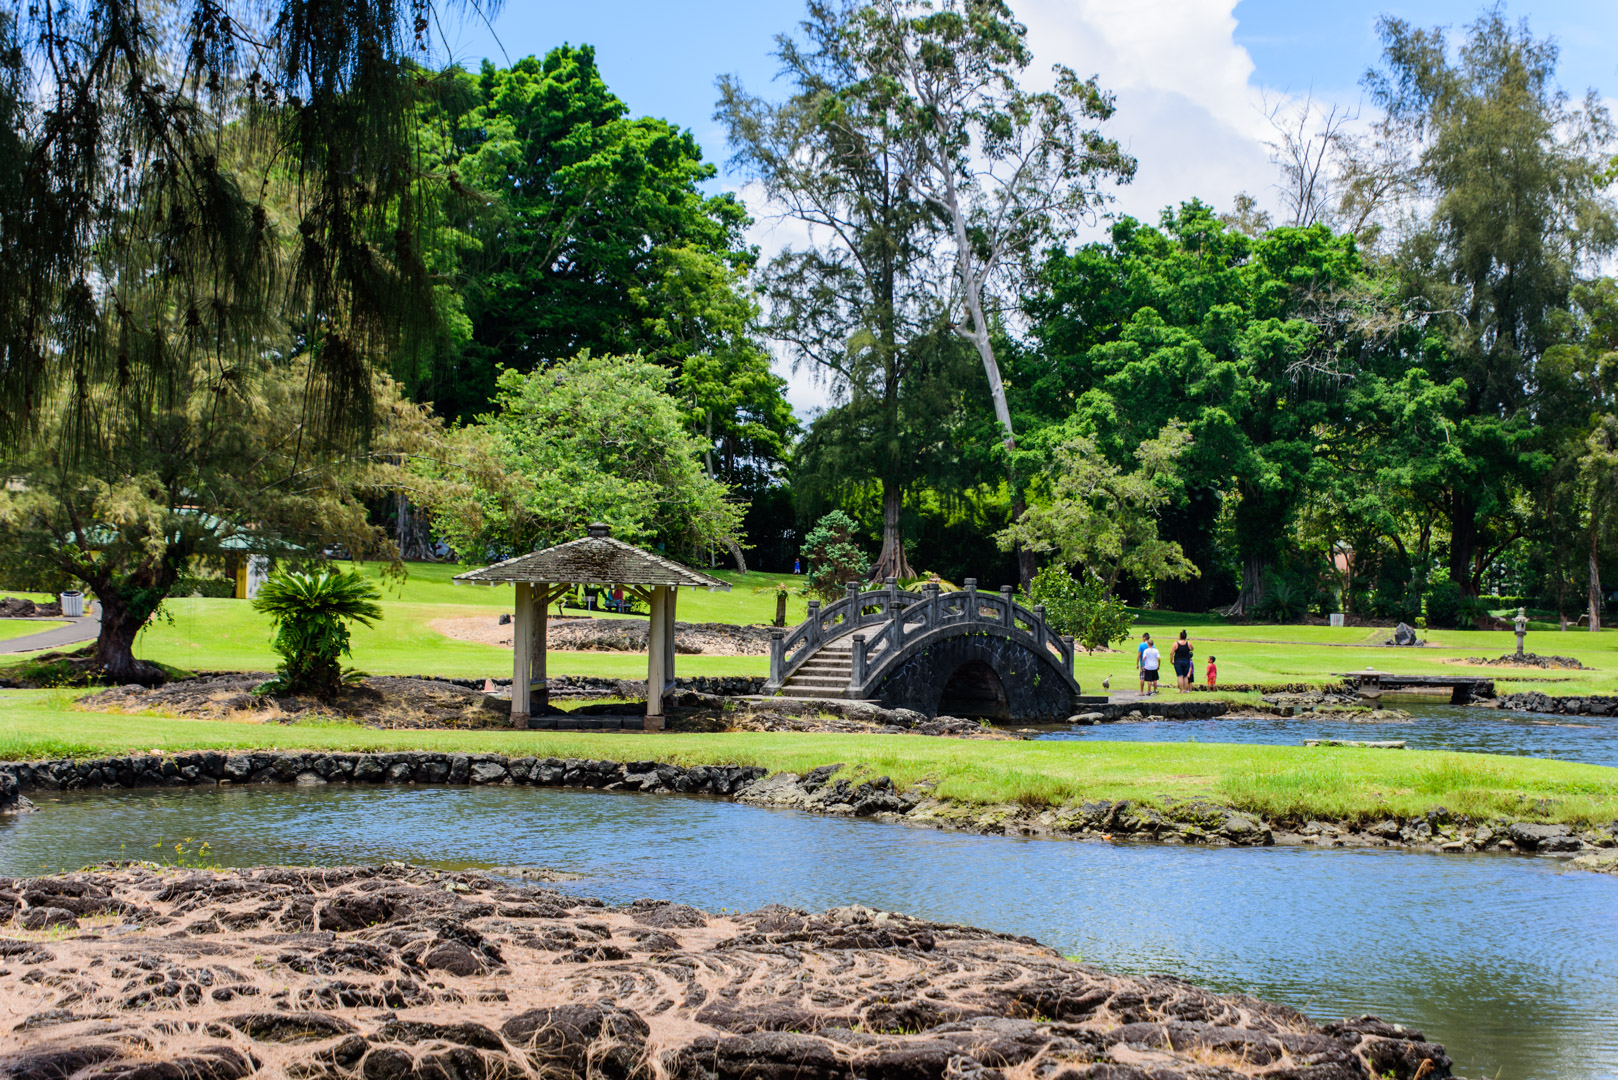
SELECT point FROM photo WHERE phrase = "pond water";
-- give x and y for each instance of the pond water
(1510, 961)
(1590, 739)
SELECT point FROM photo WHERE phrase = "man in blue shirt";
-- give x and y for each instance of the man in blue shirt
(1140, 654)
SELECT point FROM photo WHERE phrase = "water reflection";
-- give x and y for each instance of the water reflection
(1590, 739)
(1512, 962)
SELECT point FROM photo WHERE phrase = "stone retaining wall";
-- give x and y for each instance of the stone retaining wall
(586, 686)
(1534, 701)
(313, 767)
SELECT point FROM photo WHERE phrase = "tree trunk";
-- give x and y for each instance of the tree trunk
(1027, 561)
(1595, 580)
(1252, 594)
(114, 653)
(736, 553)
(892, 562)
(780, 609)
(411, 532)
(972, 294)
(1463, 542)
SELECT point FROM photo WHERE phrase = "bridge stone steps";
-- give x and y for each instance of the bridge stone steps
(826, 674)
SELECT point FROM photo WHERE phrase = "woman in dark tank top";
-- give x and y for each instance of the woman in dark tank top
(1182, 662)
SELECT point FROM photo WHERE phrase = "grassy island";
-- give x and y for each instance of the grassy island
(1279, 782)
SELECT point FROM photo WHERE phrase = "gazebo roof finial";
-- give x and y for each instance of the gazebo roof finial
(598, 530)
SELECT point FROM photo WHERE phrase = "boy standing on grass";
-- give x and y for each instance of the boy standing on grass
(1150, 661)
(1140, 664)
(1213, 672)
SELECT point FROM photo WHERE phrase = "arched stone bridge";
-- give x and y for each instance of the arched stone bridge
(960, 653)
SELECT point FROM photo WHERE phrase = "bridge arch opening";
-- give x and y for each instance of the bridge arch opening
(975, 691)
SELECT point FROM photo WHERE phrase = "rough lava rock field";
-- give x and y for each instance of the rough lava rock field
(140, 972)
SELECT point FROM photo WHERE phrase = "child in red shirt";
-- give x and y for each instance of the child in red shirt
(1213, 672)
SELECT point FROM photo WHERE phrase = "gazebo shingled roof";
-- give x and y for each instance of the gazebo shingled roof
(593, 559)
(596, 559)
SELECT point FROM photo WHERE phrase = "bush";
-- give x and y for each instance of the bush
(1083, 609)
(1444, 608)
(311, 614)
(831, 558)
(1284, 600)
(1396, 604)
(217, 588)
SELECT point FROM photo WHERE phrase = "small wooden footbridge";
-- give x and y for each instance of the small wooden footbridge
(1463, 689)
(963, 653)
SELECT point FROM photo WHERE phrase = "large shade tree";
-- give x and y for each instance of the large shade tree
(860, 302)
(1008, 170)
(1196, 322)
(595, 233)
(212, 234)
(1508, 177)
(593, 438)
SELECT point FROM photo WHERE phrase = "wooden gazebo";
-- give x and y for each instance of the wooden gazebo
(594, 559)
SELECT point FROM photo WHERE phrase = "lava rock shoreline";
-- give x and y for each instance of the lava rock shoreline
(818, 791)
(392, 972)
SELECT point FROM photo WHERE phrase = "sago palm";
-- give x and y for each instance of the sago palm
(311, 614)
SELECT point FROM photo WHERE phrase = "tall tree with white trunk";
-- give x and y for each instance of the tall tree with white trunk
(1009, 170)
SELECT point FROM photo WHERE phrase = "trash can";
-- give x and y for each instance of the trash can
(1337, 618)
(73, 604)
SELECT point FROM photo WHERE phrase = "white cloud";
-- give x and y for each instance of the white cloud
(1187, 108)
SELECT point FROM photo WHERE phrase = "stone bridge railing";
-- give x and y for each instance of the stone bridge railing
(901, 622)
(836, 619)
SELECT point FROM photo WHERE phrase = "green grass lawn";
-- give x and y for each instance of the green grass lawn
(1315, 654)
(15, 628)
(1278, 781)
(202, 634)
(228, 635)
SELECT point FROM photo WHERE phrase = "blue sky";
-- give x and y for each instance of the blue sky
(662, 58)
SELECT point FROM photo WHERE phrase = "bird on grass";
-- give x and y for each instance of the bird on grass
(1106, 684)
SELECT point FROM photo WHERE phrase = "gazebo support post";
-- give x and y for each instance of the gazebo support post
(522, 652)
(657, 655)
(540, 604)
(668, 637)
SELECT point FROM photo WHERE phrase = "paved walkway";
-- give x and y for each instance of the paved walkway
(86, 629)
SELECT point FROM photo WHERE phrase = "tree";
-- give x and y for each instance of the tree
(130, 237)
(860, 303)
(1083, 609)
(229, 468)
(831, 557)
(1009, 171)
(596, 234)
(311, 613)
(1513, 175)
(1239, 338)
(594, 438)
(1598, 479)
(212, 227)
(1103, 519)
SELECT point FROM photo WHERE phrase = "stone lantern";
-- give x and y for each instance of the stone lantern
(1521, 622)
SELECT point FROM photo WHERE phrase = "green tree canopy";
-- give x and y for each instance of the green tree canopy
(594, 438)
(596, 235)
(1510, 178)
(1236, 337)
